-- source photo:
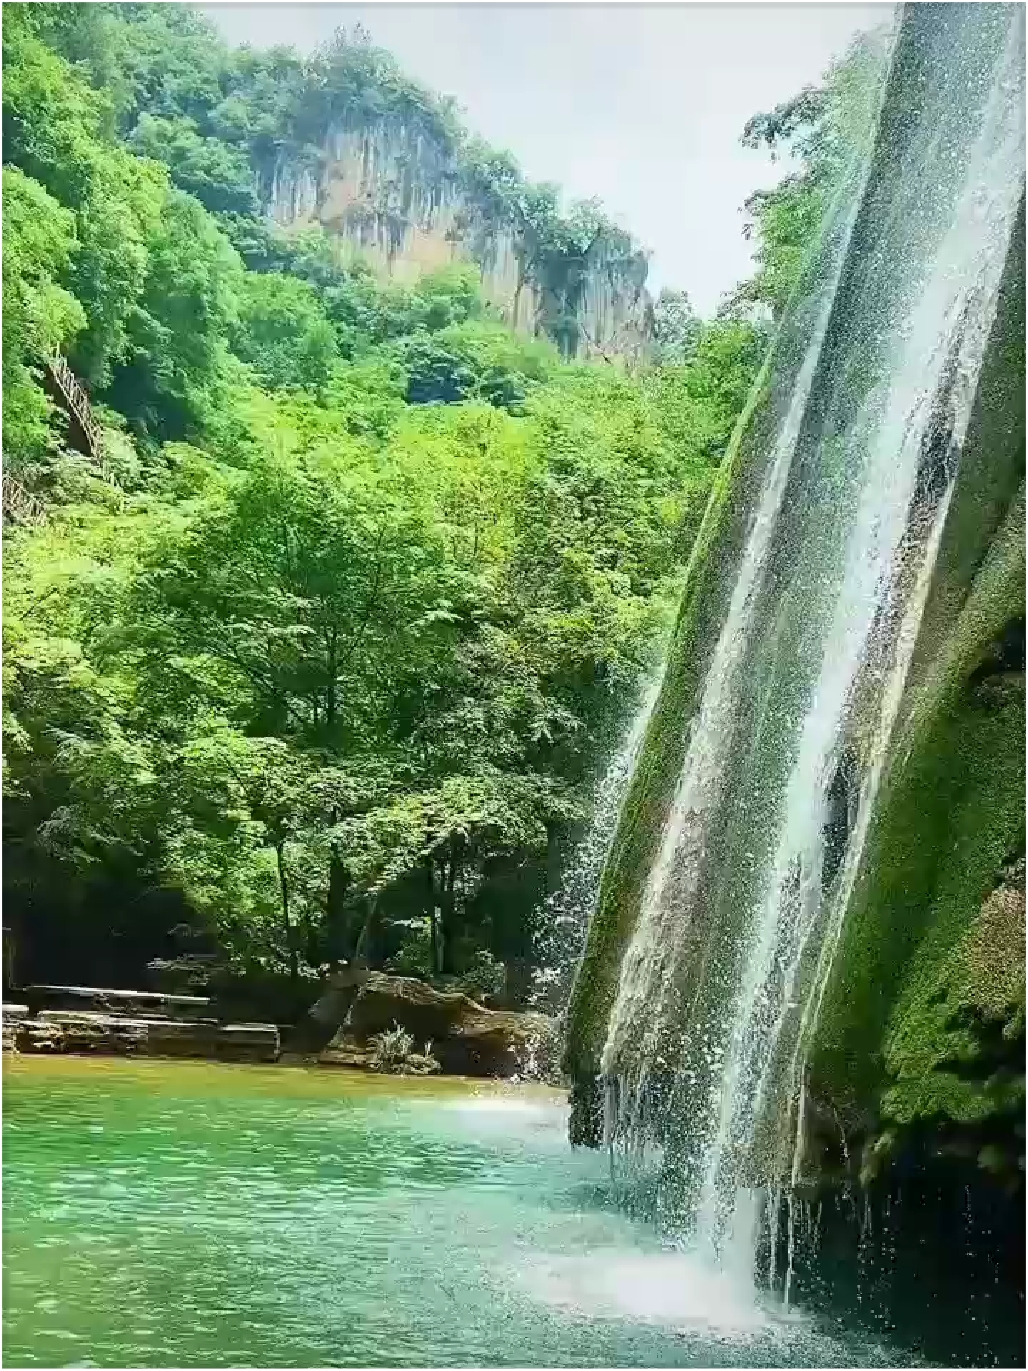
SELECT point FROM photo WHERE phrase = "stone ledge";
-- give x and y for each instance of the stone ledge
(56, 1031)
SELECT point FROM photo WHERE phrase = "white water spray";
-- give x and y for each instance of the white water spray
(569, 910)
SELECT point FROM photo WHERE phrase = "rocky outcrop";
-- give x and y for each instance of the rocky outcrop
(87, 1019)
(101, 1000)
(397, 194)
(466, 1038)
(56, 1031)
(13, 1014)
(333, 1005)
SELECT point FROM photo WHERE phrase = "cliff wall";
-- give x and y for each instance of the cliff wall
(398, 195)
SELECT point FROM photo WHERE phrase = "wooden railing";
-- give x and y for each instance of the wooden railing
(76, 402)
(21, 506)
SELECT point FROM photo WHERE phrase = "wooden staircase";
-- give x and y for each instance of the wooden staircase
(19, 505)
(83, 430)
(85, 434)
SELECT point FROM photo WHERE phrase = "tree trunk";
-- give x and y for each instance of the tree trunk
(360, 951)
(447, 910)
(339, 933)
(294, 964)
(330, 691)
(435, 931)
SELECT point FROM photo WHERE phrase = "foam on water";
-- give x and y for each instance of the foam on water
(675, 1290)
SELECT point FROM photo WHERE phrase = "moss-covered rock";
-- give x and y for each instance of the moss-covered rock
(922, 1025)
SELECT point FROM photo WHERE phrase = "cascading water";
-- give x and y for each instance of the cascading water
(569, 909)
(744, 902)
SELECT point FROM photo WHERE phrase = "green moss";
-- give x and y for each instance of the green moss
(902, 1019)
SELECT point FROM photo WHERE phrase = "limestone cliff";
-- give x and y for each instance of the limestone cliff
(401, 195)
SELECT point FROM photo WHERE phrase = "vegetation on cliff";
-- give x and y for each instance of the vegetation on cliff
(325, 660)
(229, 124)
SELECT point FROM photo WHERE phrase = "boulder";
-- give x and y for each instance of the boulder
(341, 989)
(345, 1051)
(467, 1039)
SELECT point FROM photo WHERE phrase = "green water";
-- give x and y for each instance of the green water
(177, 1213)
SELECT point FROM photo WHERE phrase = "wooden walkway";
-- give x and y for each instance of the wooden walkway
(83, 430)
(85, 434)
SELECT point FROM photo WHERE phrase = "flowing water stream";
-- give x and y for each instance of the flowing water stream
(565, 915)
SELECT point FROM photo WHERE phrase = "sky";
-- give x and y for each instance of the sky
(640, 105)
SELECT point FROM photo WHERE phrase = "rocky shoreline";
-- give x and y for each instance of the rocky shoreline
(120, 1030)
(463, 1037)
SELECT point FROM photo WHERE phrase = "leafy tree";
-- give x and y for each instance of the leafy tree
(283, 332)
(675, 326)
(40, 315)
(179, 328)
(824, 128)
(216, 172)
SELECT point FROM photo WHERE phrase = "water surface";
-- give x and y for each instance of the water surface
(186, 1213)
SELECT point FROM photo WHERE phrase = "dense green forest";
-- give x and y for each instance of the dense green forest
(324, 661)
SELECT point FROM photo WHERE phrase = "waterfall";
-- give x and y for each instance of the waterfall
(747, 893)
(567, 911)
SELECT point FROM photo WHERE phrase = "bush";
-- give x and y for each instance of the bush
(414, 957)
(393, 1053)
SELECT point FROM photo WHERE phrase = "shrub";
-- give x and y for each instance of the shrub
(393, 1053)
(485, 979)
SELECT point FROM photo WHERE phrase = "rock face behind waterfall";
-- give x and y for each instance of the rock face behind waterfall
(917, 1046)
